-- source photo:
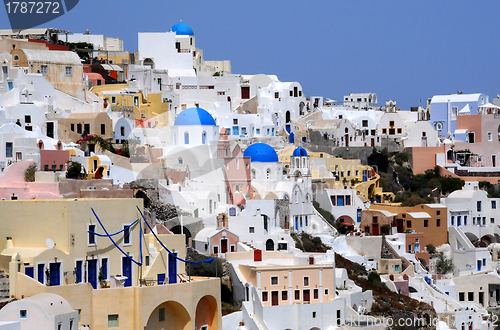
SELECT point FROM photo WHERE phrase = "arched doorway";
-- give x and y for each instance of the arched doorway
(149, 62)
(301, 108)
(177, 230)
(269, 245)
(169, 315)
(206, 314)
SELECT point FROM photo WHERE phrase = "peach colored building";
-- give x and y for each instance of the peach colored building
(429, 219)
(377, 222)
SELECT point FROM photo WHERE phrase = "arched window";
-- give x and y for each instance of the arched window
(186, 138)
(16, 57)
(268, 174)
(253, 173)
(204, 138)
(297, 162)
(180, 160)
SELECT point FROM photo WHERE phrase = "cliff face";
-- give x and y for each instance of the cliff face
(388, 304)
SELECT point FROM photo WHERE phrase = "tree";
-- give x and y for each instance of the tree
(430, 248)
(444, 265)
(29, 174)
(75, 171)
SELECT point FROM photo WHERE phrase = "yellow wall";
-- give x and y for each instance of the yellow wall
(137, 307)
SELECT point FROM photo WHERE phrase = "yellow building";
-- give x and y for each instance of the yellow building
(135, 104)
(54, 246)
(63, 69)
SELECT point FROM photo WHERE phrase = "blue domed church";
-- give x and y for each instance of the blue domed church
(193, 127)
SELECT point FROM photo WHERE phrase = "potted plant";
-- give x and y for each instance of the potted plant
(102, 279)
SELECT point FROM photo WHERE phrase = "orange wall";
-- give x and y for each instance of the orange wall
(424, 158)
(473, 124)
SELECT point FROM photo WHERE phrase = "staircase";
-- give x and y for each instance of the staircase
(249, 245)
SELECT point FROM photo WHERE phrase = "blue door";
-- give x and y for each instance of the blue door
(359, 216)
(161, 279)
(55, 273)
(127, 270)
(40, 272)
(79, 271)
(479, 265)
(29, 271)
(92, 266)
(378, 199)
(296, 223)
(364, 176)
(172, 269)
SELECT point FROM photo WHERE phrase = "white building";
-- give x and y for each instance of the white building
(44, 311)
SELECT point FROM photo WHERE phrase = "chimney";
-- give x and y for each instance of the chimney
(9, 244)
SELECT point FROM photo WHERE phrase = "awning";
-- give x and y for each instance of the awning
(111, 67)
(347, 224)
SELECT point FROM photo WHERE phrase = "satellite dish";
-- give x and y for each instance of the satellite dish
(50, 243)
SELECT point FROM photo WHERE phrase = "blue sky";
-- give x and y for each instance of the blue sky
(403, 50)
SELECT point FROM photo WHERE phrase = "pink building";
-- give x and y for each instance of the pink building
(13, 185)
(53, 159)
(237, 171)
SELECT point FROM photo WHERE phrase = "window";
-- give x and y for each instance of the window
(408, 224)
(72, 127)
(492, 220)
(180, 160)
(306, 281)
(426, 223)
(8, 149)
(91, 238)
(43, 69)
(257, 131)
(438, 222)
(276, 95)
(484, 262)
(391, 123)
(454, 111)
(365, 123)
(452, 220)
(493, 204)
(186, 138)
(284, 295)
(392, 131)
(479, 206)
(400, 131)
(264, 296)
(79, 128)
(316, 294)
(384, 130)
(274, 280)
(251, 230)
(113, 99)
(461, 296)
(86, 128)
(126, 235)
(347, 200)
(161, 315)
(490, 136)
(396, 268)
(103, 129)
(23, 313)
(297, 294)
(68, 70)
(470, 296)
(326, 292)
(204, 138)
(113, 321)
(136, 101)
